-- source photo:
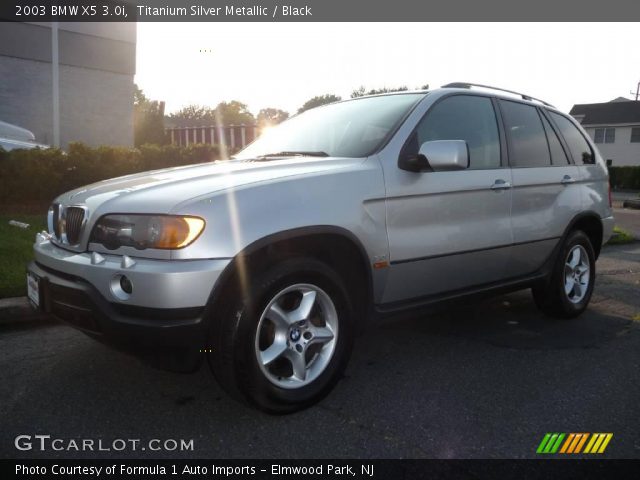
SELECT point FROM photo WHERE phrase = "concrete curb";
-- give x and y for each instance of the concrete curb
(18, 310)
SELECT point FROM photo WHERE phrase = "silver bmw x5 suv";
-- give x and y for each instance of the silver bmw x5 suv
(269, 263)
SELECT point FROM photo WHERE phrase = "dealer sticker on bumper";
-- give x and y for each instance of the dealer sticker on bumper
(33, 289)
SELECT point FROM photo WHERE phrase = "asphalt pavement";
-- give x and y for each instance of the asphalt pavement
(484, 380)
(629, 220)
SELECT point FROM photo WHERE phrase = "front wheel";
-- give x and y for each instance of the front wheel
(567, 292)
(285, 342)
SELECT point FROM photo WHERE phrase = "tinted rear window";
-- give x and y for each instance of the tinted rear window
(558, 155)
(578, 146)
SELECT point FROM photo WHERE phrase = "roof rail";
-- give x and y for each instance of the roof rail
(469, 85)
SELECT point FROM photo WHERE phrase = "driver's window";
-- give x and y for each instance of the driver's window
(463, 117)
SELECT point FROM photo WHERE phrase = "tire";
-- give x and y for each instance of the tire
(300, 309)
(568, 290)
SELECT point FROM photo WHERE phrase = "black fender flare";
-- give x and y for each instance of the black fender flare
(290, 234)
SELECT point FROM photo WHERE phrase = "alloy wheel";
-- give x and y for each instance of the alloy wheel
(577, 274)
(296, 336)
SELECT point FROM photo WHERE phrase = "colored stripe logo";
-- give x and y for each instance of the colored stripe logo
(573, 443)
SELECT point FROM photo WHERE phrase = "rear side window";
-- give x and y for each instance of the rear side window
(578, 145)
(462, 117)
(528, 142)
(558, 155)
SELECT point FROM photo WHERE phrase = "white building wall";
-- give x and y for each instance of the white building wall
(622, 152)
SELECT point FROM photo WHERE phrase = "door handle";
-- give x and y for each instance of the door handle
(567, 179)
(500, 184)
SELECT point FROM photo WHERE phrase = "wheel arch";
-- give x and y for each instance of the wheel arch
(591, 224)
(336, 246)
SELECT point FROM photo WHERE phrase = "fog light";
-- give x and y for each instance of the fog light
(121, 287)
(126, 285)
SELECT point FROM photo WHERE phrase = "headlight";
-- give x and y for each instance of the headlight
(146, 231)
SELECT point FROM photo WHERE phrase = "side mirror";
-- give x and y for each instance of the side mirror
(414, 163)
(609, 162)
(438, 156)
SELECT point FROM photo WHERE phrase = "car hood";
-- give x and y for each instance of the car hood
(159, 191)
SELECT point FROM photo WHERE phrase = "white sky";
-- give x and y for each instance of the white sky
(282, 65)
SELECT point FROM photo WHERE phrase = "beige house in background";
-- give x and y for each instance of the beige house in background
(615, 128)
(69, 82)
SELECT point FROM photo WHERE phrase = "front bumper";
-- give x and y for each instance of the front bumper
(167, 306)
(156, 283)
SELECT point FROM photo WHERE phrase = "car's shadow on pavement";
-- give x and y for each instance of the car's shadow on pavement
(512, 321)
(483, 379)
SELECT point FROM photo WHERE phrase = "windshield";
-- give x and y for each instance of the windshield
(354, 129)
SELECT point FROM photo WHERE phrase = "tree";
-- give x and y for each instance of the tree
(148, 119)
(225, 113)
(318, 101)
(362, 91)
(234, 113)
(271, 116)
(193, 115)
(138, 95)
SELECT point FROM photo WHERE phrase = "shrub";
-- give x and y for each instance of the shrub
(39, 175)
(627, 178)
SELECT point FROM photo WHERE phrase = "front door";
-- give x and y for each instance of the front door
(449, 230)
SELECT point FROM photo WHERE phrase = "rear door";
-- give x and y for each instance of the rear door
(546, 195)
(594, 180)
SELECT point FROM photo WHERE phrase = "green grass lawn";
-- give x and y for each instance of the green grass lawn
(16, 251)
(620, 237)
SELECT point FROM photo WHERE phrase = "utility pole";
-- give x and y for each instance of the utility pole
(55, 75)
(637, 91)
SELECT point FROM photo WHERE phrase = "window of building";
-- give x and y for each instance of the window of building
(635, 135)
(578, 145)
(609, 135)
(528, 142)
(461, 117)
(605, 135)
(598, 135)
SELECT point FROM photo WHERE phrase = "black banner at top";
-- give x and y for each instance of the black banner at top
(317, 10)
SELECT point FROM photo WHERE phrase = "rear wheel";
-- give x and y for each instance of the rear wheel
(283, 345)
(567, 292)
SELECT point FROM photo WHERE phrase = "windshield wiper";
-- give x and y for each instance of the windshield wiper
(293, 153)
